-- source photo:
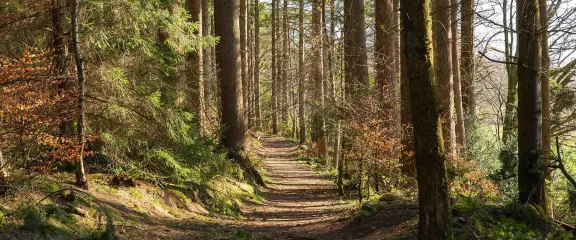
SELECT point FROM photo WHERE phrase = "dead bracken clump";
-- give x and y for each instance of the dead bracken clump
(123, 180)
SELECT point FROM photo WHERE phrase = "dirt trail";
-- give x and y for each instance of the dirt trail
(304, 204)
(300, 203)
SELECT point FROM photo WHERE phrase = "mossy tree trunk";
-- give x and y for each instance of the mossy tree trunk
(442, 40)
(433, 191)
(531, 168)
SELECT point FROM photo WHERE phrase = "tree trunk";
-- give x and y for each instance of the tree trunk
(256, 89)
(545, 83)
(196, 68)
(226, 24)
(407, 157)
(355, 55)
(301, 75)
(331, 62)
(512, 73)
(460, 131)
(58, 45)
(433, 193)
(243, 57)
(80, 172)
(442, 38)
(285, 63)
(531, 169)
(274, 73)
(250, 74)
(467, 59)
(206, 63)
(318, 125)
(385, 59)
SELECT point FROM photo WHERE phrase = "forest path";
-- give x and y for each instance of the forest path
(299, 203)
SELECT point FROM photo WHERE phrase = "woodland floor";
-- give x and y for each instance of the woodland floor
(298, 203)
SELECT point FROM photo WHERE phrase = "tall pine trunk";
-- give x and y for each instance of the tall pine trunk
(385, 58)
(250, 64)
(257, 111)
(442, 40)
(406, 157)
(226, 24)
(460, 131)
(433, 192)
(531, 169)
(545, 83)
(207, 63)
(301, 75)
(243, 57)
(274, 100)
(316, 75)
(467, 59)
(512, 74)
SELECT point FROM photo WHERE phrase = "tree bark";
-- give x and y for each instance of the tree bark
(274, 73)
(318, 124)
(407, 157)
(256, 93)
(206, 62)
(58, 45)
(243, 57)
(385, 58)
(80, 172)
(285, 63)
(467, 59)
(460, 131)
(545, 83)
(250, 72)
(442, 38)
(196, 68)
(512, 74)
(355, 55)
(226, 24)
(531, 169)
(433, 193)
(301, 75)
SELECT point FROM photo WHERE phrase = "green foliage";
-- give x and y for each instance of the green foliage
(50, 187)
(508, 228)
(1, 218)
(33, 217)
(512, 221)
(56, 212)
(242, 235)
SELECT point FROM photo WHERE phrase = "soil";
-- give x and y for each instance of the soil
(304, 204)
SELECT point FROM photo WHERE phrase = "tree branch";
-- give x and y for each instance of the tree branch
(496, 61)
(561, 165)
